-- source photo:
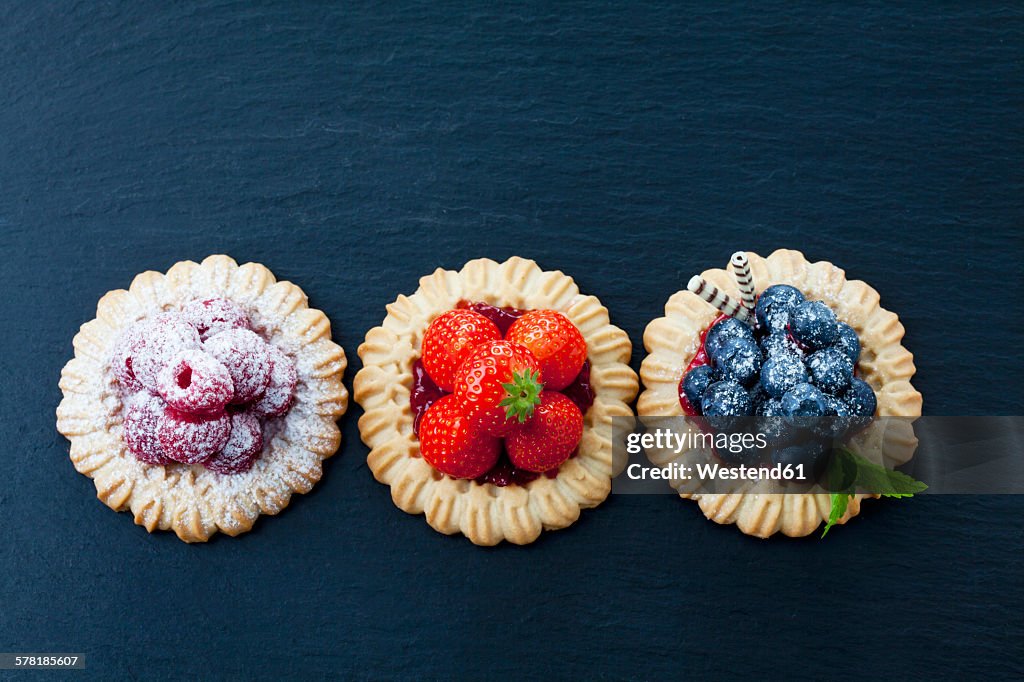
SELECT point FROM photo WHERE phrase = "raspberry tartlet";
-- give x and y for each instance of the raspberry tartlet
(203, 397)
(788, 339)
(489, 395)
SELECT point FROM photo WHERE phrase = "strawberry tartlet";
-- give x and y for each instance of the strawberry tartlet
(489, 395)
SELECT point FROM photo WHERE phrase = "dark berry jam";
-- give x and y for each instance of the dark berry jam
(581, 391)
(425, 393)
(502, 317)
(505, 473)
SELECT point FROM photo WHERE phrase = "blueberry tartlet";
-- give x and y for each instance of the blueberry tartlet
(781, 337)
(489, 395)
(203, 397)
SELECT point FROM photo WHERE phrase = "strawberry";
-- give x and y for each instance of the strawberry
(555, 341)
(546, 440)
(498, 385)
(449, 339)
(452, 444)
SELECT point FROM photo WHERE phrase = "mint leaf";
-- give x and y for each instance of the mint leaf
(839, 503)
(875, 478)
(842, 472)
(849, 472)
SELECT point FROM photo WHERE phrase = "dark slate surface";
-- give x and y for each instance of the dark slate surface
(354, 150)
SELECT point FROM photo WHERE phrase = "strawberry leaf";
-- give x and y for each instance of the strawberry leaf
(522, 395)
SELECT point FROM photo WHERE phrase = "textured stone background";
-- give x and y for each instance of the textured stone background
(354, 150)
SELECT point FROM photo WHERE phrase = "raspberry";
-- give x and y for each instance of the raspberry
(246, 357)
(278, 397)
(192, 438)
(140, 429)
(214, 315)
(243, 447)
(121, 361)
(193, 381)
(158, 340)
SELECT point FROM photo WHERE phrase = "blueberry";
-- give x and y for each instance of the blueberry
(781, 373)
(813, 454)
(725, 399)
(831, 370)
(780, 344)
(769, 408)
(848, 342)
(860, 399)
(836, 421)
(777, 431)
(758, 396)
(774, 306)
(697, 381)
(729, 328)
(814, 325)
(740, 359)
(802, 404)
(740, 453)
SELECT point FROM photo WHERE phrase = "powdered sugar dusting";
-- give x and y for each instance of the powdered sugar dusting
(782, 372)
(243, 447)
(180, 417)
(278, 396)
(190, 499)
(245, 355)
(142, 415)
(156, 342)
(121, 360)
(190, 438)
(194, 381)
(211, 316)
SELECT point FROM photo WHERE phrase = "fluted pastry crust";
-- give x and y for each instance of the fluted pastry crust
(672, 341)
(485, 513)
(190, 500)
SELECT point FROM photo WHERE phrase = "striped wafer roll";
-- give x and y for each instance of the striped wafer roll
(741, 268)
(717, 298)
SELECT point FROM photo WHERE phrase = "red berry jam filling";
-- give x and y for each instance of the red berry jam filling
(700, 359)
(198, 386)
(502, 317)
(580, 390)
(425, 393)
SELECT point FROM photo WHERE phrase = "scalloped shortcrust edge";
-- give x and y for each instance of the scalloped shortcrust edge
(671, 342)
(190, 500)
(488, 514)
